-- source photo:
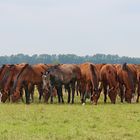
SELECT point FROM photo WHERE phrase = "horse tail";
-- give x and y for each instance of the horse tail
(130, 75)
(124, 66)
(94, 76)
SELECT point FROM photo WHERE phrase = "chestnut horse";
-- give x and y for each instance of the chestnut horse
(30, 74)
(65, 74)
(89, 82)
(13, 71)
(127, 76)
(109, 82)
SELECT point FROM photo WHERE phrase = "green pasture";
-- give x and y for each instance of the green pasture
(39, 121)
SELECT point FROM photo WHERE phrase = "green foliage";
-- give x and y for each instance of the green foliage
(68, 58)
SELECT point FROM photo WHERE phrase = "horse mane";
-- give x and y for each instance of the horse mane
(2, 68)
(6, 74)
(54, 67)
(57, 66)
(26, 65)
(43, 67)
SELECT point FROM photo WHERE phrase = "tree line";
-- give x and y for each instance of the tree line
(66, 58)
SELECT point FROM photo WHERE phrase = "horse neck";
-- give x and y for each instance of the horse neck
(4, 77)
(2, 73)
(18, 80)
(17, 84)
(8, 82)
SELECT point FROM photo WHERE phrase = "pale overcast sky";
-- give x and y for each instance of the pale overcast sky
(82, 27)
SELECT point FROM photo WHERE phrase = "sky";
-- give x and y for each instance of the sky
(81, 27)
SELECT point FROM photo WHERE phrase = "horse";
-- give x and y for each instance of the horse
(47, 88)
(89, 82)
(13, 71)
(29, 75)
(4, 73)
(63, 74)
(109, 82)
(127, 76)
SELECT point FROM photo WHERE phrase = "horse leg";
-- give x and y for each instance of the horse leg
(61, 95)
(51, 96)
(40, 90)
(32, 93)
(73, 91)
(138, 90)
(121, 92)
(77, 88)
(27, 95)
(21, 94)
(82, 91)
(50, 93)
(105, 92)
(69, 91)
(9, 94)
(58, 93)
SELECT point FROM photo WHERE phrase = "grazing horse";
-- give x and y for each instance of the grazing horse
(109, 82)
(13, 71)
(63, 74)
(89, 82)
(29, 75)
(47, 88)
(4, 72)
(127, 76)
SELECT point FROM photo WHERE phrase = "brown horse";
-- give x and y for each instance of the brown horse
(65, 74)
(127, 76)
(4, 72)
(89, 82)
(29, 75)
(108, 76)
(13, 71)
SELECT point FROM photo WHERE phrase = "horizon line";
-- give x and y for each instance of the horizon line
(65, 54)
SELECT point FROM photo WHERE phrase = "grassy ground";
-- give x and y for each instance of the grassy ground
(68, 122)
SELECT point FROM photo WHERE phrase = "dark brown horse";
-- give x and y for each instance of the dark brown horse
(29, 75)
(65, 74)
(108, 76)
(127, 76)
(89, 82)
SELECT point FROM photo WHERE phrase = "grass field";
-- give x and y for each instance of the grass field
(70, 122)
